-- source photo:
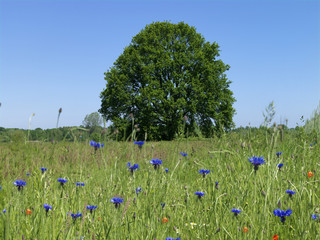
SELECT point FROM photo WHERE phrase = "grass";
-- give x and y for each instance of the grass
(140, 216)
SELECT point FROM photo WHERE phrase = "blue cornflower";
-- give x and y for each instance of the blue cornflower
(199, 194)
(62, 181)
(170, 238)
(4, 210)
(133, 167)
(96, 145)
(19, 184)
(163, 204)
(47, 207)
(315, 217)
(75, 216)
(280, 166)
(184, 154)
(91, 208)
(290, 192)
(116, 201)
(217, 185)
(236, 211)
(256, 162)
(156, 163)
(0, 188)
(28, 174)
(278, 154)
(204, 172)
(139, 189)
(80, 184)
(139, 143)
(283, 214)
(43, 169)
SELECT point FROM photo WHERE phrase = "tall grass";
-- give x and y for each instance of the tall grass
(105, 176)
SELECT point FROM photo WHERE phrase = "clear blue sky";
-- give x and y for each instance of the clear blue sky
(54, 54)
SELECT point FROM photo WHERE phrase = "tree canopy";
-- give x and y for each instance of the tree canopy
(170, 79)
(92, 120)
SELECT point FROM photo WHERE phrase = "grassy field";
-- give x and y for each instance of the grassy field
(141, 215)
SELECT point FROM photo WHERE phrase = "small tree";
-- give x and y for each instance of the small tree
(92, 120)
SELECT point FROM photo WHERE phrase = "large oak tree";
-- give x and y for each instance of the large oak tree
(169, 74)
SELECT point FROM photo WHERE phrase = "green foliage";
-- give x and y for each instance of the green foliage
(105, 175)
(312, 125)
(166, 73)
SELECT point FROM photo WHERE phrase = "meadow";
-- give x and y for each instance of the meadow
(237, 199)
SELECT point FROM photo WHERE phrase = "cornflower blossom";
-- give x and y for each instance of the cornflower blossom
(19, 184)
(280, 166)
(43, 169)
(116, 201)
(139, 189)
(80, 184)
(217, 185)
(96, 145)
(133, 167)
(166, 170)
(290, 192)
(204, 172)
(91, 208)
(163, 204)
(28, 174)
(256, 162)
(236, 211)
(282, 214)
(315, 217)
(62, 181)
(170, 238)
(139, 143)
(279, 154)
(47, 207)
(156, 163)
(75, 216)
(199, 194)
(184, 154)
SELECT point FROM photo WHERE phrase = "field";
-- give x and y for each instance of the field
(166, 205)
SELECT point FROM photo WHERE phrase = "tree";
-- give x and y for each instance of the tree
(92, 120)
(168, 78)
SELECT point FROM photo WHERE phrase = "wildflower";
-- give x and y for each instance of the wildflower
(75, 216)
(116, 201)
(256, 162)
(278, 154)
(62, 181)
(0, 188)
(192, 224)
(217, 185)
(245, 229)
(133, 167)
(199, 194)
(282, 214)
(28, 174)
(28, 212)
(275, 237)
(166, 170)
(184, 154)
(91, 208)
(139, 189)
(280, 166)
(80, 184)
(43, 169)
(156, 163)
(170, 238)
(19, 184)
(96, 145)
(310, 174)
(236, 211)
(4, 210)
(139, 143)
(163, 204)
(47, 207)
(315, 217)
(290, 192)
(165, 220)
(204, 172)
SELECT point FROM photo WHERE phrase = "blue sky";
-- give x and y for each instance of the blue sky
(54, 54)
